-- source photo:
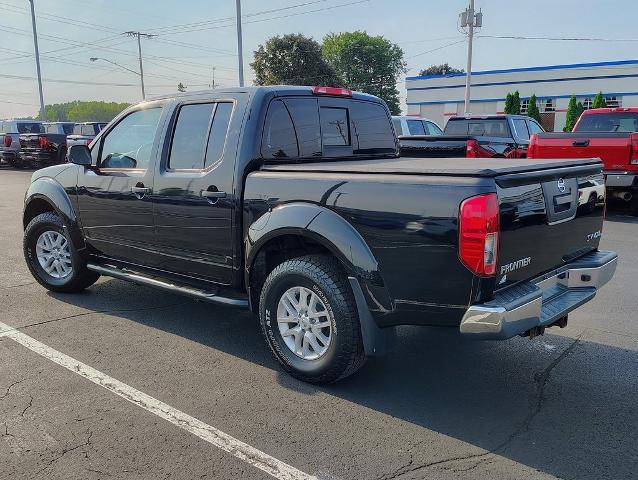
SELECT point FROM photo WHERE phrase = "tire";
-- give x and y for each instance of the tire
(633, 206)
(77, 277)
(324, 278)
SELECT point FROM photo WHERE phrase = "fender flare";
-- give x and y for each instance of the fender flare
(47, 189)
(335, 233)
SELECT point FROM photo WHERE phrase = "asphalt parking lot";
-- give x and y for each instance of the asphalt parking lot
(564, 405)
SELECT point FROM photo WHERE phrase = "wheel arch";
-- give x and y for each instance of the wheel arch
(316, 229)
(47, 195)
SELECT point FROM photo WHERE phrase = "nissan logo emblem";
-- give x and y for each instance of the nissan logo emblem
(561, 185)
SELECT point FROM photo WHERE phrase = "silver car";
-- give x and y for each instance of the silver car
(10, 131)
(409, 126)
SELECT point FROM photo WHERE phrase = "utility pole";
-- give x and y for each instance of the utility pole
(37, 60)
(240, 52)
(213, 84)
(139, 52)
(470, 19)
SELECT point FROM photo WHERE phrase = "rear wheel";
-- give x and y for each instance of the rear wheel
(52, 257)
(309, 319)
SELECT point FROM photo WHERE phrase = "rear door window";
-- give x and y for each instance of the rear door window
(190, 137)
(218, 133)
(433, 128)
(335, 127)
(280, 139)
(520, 125)
(416, 127)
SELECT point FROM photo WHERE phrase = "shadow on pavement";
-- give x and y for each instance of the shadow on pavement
(562, 406)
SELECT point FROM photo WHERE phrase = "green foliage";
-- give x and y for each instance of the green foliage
(181, 87)
(366, 63)
(580, 108)
(292, 60)
(443, 69)
(532, 109)
(571, 115)
(509, 103)
(80, 111)
(516, 103)
(599, 101)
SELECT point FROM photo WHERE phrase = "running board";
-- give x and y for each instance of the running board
(135, 277)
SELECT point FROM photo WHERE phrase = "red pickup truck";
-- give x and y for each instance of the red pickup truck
(606, 133)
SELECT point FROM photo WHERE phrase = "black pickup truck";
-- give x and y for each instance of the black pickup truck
(39, 150)
(293, 202)
(475, 136)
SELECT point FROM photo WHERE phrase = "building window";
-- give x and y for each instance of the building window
(613, 101)
(548, 105)
(588, 103)
(524, 106)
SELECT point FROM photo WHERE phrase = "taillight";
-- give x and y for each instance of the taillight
(340, 92)
(7, 140)
(89, 142)
(43, 142)
(634, 149)
(472, 150)
(478, 234)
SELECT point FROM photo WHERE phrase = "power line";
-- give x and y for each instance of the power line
(560, 39)
(437, 48)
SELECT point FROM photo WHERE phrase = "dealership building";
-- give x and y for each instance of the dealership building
(440, 97)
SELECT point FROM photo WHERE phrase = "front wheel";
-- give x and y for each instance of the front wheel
(309, 319)
(52, 257)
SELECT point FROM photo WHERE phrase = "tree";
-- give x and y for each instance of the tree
(366, 63)
(572, 114)
(599, 101)
(80, 111)
(532, 109)
(292, 60)
(509, 102)
(181, 87)
(580, 108)
(443, 69)
(516, 103)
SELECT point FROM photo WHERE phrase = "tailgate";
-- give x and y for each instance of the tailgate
(30, 141)
(613, 148)
(548, 218)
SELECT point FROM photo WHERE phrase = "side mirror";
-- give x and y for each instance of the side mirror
(80, 155)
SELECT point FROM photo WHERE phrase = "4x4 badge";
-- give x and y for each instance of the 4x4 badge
(561, 185)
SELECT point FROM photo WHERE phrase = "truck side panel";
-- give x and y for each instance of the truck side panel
(398, 217)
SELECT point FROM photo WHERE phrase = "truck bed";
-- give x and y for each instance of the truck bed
(472, 167)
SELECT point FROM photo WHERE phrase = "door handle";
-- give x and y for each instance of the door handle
(580, 143)
(140, 190)
(212, 194)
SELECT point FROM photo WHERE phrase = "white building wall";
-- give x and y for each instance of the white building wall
(490, 88)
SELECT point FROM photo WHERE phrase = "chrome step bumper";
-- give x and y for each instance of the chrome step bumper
(542, 301)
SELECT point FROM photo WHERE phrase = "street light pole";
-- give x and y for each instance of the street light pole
(240, 53)
(37, 59)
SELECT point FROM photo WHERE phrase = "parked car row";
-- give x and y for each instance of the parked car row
(33, 144)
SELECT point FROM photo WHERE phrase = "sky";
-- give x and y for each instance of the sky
(193, 36)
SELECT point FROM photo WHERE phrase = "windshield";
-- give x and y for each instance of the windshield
(609, 122)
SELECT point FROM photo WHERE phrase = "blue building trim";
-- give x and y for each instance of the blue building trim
(583, 95)
(525, 82)
(531, 69)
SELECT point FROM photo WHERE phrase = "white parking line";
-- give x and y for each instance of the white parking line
(212, 435)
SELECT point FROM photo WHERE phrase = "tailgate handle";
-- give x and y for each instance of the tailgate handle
(581, 143)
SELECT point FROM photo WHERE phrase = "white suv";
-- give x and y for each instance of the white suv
(410, 126)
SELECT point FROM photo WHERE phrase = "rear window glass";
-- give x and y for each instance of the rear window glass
(416, 127)
(280, 139)
(30, 128)
(609, 122)
(372, 129)
(305, 115)
(68, 128)
(335, 128)
(190, 137)
(478, 127)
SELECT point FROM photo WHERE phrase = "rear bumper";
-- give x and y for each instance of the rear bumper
(37, 156)
(620, 179)
(542, 301)
(7, 155)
